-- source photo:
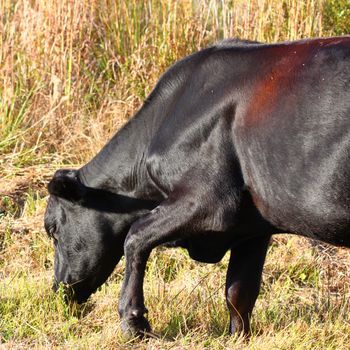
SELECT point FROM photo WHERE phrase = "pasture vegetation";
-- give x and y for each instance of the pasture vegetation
(71, 73)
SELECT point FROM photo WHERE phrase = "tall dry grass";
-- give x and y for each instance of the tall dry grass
(72, 72)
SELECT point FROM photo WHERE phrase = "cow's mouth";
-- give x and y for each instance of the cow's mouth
(73, 293)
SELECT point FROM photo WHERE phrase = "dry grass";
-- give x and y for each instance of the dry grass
(72, 72)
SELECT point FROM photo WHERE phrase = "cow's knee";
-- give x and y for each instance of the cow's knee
(135, 245)
(131, 244)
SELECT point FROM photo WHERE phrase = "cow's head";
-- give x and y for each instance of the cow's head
(88, 227)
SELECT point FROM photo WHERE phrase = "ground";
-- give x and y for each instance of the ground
(304, 301)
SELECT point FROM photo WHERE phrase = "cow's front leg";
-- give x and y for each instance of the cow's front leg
(165, 223)
(243, 281)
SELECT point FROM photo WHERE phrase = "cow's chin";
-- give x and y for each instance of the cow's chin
(83, 288)
(76, 292)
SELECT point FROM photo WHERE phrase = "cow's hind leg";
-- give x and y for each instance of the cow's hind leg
(243, 281)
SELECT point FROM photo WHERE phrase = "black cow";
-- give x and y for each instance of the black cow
(236, 142)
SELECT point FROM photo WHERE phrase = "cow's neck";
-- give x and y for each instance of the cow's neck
(120, 165)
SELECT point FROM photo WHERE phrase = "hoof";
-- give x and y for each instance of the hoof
(135, 326)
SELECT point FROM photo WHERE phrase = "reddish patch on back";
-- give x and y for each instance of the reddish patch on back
(281, 64)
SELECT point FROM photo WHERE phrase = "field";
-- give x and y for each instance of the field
(71, 74)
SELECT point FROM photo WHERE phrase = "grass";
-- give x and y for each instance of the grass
(71, 74)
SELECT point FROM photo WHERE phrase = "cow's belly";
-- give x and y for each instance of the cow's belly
(312, 200)
(208, 248)
(323, 220)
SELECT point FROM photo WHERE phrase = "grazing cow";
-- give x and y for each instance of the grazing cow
(236, 142)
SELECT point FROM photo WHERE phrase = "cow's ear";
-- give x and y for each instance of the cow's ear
(66, 184)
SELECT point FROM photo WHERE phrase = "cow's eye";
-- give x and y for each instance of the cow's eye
(55, 236)
(52, 231)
